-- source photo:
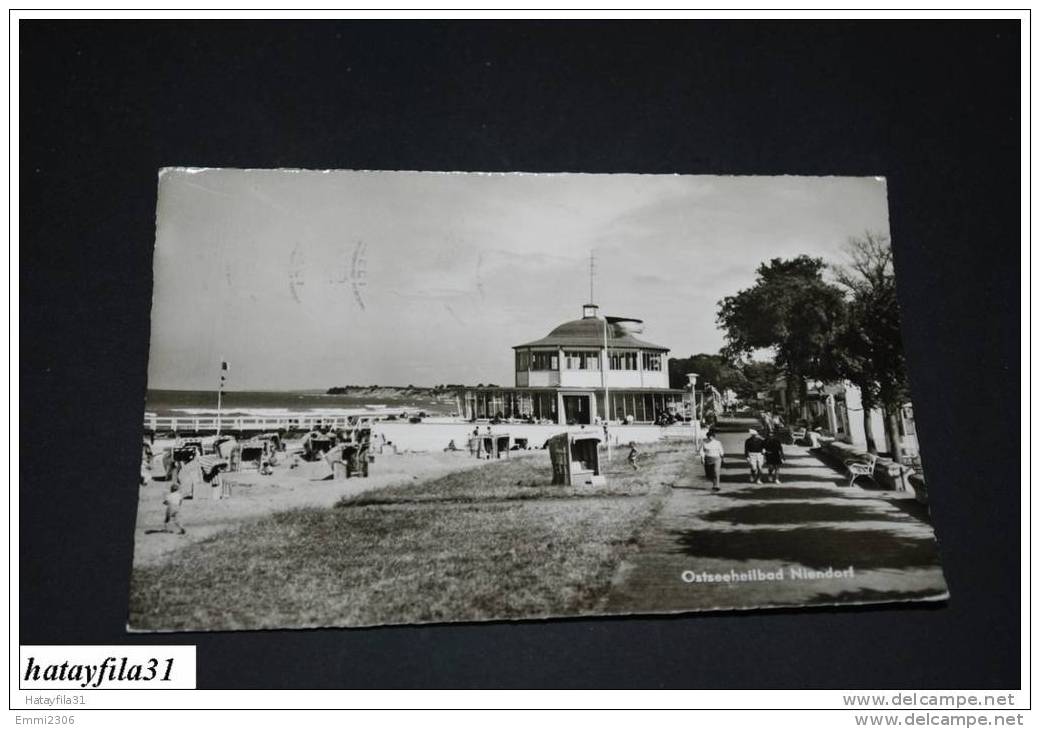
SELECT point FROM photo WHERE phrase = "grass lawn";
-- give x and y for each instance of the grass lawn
(496, 542)
(522, 477)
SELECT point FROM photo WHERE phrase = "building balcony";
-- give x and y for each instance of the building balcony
(581, 378)
(587, 379)
(538, 378)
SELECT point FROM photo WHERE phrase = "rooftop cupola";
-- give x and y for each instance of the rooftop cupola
(590, 311)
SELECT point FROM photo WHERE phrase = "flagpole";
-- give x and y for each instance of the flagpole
(220, 394)
(613, 321)
(606, 387)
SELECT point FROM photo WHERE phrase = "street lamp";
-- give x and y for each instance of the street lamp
(705, 392)
(692, 377)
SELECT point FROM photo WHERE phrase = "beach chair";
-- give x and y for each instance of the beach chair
(185, 454)
(861, 468)
(274, 441)
(205, 481)
(196, 444)
(252, 455)
(575, 459)
(316, 445)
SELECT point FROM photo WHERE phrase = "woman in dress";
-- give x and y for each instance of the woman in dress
(712, 454)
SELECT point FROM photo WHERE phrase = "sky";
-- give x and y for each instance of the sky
(311, 279)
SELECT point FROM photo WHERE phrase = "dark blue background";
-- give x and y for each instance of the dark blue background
(932, 106)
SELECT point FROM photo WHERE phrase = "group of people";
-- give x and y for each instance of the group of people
(760, 453)
(767, 452)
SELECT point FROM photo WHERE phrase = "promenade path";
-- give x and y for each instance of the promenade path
(811, 522)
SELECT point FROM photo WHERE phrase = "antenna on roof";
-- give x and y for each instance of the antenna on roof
(592, 276)
(588, 311)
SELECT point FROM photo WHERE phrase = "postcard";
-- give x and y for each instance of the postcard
(386, 397)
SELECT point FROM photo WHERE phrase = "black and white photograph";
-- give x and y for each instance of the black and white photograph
(403, 397)
(410, 359)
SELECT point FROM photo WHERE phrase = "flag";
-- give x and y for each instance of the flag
(625, 325)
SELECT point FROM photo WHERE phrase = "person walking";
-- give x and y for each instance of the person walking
(774, 456)
(753, 452)
(632, 455)
(712, 454)
(172, 501)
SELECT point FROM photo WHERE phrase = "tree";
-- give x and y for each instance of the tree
(869, 351)
(790, 310)
(714, 368)
(852, 361)
(759, 376)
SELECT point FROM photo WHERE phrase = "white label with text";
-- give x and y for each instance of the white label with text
(89, 667)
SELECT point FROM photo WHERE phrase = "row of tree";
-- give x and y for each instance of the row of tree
(747, 378)
(349, 389)
(820, 322)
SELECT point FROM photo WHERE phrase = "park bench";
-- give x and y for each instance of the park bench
(858, 467)
(884, 473)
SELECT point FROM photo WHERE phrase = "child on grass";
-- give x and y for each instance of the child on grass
(173, 508)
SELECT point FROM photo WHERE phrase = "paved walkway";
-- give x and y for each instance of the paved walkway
(809, 523)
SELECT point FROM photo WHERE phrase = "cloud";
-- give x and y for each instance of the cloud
(308, 279)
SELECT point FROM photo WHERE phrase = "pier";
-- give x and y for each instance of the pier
(207, 424)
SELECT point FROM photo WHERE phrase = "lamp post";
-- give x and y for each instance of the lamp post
(705, 391)
(692, 378)
(694, 419)
(220, 390)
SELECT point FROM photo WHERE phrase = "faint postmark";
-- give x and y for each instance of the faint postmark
(297, 261)
(359, 272)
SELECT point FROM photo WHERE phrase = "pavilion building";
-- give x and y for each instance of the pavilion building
(567, 376)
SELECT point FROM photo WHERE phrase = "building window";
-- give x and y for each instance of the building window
(623, 360)
(581, 360)
(652, 361)
(523, 360)
(544, 361)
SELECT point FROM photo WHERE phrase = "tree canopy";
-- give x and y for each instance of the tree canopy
(760, 377)
(869, 351)
(816, 329)
(790, 310)
(713, 368)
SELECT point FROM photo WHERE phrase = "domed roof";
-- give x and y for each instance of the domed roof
(588, 332)
(591, 327)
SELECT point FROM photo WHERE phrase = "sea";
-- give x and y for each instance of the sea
(277, 403)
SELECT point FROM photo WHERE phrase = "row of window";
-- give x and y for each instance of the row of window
(578, 360)
(624, 360)
(638, 407)
(581, 361)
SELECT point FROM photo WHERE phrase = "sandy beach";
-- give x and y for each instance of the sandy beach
(417, 453)
(254, 496)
